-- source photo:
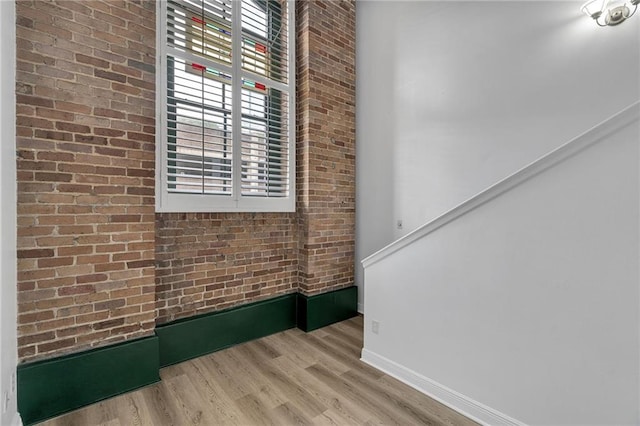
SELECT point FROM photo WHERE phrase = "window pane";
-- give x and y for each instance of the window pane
(203, 28)
(198, 111)
(264, 38)
(264, 142)
(199, 129)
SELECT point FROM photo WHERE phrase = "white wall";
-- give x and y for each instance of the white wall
(453, 96)
(8, 351)
(529, 304)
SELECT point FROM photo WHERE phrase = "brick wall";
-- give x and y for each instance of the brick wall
(96, 265)
(326, 143)
(208, 262)
(85, 125)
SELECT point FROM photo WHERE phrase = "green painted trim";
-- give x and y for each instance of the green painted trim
(55, 386)
(196, 336)
(324, 309)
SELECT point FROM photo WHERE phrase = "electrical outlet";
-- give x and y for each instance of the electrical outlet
(375, 327)
(399, 224)
(13, 383)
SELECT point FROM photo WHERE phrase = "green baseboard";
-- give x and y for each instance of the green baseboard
(196, 336)
(324, 309)
(55, 386)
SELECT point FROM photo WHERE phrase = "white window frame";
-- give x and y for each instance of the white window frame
(167, 202)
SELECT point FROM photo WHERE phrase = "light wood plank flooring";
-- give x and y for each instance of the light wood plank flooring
(287, 378)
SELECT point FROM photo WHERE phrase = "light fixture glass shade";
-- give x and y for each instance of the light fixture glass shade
(594, 8)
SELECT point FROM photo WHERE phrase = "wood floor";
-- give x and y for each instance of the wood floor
(287, 378)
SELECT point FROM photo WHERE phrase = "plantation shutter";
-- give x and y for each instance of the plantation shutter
(264, 107)
(205, 153)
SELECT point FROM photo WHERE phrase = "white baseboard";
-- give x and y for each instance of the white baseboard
(452, 399)
(17, 420)
(361, 308)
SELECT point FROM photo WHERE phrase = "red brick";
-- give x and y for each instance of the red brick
(110, 76)
(56, 345)
(70, 127)
(91, 278)
(108, 324)
(36, 338)
(27, 254)
(73, 107)
(33, 100)
(55, 262)
(84, 59)
(76, 289)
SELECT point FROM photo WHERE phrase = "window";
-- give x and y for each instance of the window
(225, 139)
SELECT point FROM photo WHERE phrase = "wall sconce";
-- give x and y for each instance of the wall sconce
(615, 11)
